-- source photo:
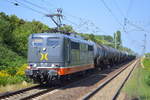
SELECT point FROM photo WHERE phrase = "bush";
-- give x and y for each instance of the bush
(148, 80)
(11, 71)
(10, 80)
(13, 75)
(3, 73)
(21, 70)
(9, 59)
(146, 63)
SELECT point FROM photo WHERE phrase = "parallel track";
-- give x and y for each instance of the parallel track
(35, 91)
(91, 94)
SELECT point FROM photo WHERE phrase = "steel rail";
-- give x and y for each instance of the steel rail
(8, 94)
(89, 95)
(38, 94)
(119, 89)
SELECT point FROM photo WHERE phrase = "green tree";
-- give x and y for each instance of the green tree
(147, 55)
(22, 33)
(67, 28)
(92, 37)
(117, 39)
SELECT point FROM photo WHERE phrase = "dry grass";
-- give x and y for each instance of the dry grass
(9, 88)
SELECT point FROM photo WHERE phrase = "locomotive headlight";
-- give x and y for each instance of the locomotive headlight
(44, 49)
(53, 65)
(34, 65)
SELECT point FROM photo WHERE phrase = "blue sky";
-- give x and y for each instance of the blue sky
(101, 17)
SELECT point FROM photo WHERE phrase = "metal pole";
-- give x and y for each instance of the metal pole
(115, 40)
(144, 46)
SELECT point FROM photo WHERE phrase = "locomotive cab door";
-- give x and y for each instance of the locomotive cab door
(67, 51)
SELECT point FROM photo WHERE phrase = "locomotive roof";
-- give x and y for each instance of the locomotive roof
(74, 38)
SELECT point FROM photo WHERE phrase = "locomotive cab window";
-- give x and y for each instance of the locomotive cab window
(37, 41)
(74, 45)
(53, 42)
(90, 48)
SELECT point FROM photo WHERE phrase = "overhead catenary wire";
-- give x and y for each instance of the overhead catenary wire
(35, 5)
(110, 11)
(73, 16)
(25, 6)
(43, 9)
(71, 22)
(118, 8)
(30, 8)
(129, 7)
(122, 14)
(48, 4)
(137, 27)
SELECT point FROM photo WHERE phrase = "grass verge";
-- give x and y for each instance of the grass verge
(138, 86)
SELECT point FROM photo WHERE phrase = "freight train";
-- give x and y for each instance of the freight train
(55, 56)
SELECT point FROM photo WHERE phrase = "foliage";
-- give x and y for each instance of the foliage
(147, 55)
(125, 49)
(100, 39)
(107, 38)
(146, 63)
(67, 28)
(3, 73)
(13, 75)
(21, 70)
(117, 39)
(10, 80)
(148, 80)
(9, 59)
(138, 86)
(92, 38)
(14, 33)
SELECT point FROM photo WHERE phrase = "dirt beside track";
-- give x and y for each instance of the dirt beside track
(78, 89)
(108, 92)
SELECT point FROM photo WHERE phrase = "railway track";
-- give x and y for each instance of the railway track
(26, 93)
(32, 92)
(103, 91)
(77, 89)
(37, 91)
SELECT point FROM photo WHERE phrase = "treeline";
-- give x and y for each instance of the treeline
(14, 34)
(114, 42)
(13, 46)
(147, 55)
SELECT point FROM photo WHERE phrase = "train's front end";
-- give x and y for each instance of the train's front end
(45, 56)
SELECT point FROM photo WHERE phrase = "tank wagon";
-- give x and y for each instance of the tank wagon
(55, 56)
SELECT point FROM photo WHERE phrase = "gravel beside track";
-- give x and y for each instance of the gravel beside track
(80, 88)
(109, 91)
(25, 93)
